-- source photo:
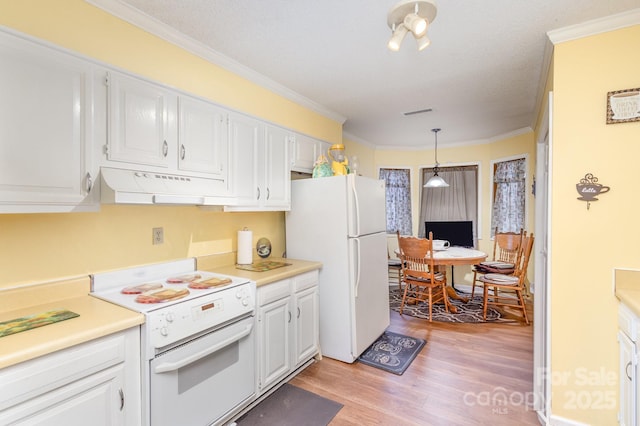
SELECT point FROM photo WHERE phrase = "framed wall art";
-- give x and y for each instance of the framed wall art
(623, 106)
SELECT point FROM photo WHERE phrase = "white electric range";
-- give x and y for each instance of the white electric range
(197, 343)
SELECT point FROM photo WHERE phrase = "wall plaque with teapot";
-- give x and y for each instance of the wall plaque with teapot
(589, 189)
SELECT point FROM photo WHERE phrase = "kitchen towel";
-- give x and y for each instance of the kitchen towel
(245, 247)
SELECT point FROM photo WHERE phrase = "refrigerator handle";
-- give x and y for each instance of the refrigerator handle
(357, 260)
(357, 206)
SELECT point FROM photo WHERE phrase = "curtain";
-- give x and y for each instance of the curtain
(457, 202)
(398, 200)
(509, 197)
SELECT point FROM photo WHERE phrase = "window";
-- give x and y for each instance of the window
(458, 202)
(398, 200)
(508, 212)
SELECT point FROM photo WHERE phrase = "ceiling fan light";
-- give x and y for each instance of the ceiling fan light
(423, 42)
(416, 24)
(396, 39)
(436, 182)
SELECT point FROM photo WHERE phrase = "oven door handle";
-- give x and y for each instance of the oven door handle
(172, 366)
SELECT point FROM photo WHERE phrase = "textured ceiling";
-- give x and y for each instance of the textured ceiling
(480, 75)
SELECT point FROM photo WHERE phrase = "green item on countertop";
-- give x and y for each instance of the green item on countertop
(266, 265)
(34, 321)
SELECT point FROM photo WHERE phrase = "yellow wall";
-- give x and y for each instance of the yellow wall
(482, 154)
(47, 246)
(587, 244)
(372, 160)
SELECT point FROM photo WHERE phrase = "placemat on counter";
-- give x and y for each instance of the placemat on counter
(266, 265)
(34, 321)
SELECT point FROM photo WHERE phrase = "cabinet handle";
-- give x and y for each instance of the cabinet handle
(298, 312)
(182, 151)
(258, 193)
(268, 193)
(626, 370)
(89, 182)
(121, 399)
(289, 317)
(165, 148)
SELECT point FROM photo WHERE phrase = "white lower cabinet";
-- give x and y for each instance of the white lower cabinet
(628, 344)
(288, 333)
(95, 383)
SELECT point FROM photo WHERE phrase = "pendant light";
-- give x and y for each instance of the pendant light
(436, 181)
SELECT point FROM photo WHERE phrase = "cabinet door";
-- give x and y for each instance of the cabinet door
(202, 137)
(45, 130)
(246, 136)
(273, 342)
(140, 116)
(99, 397)
(306, 325)
(303, 153)
(277, 178)
(628, 379)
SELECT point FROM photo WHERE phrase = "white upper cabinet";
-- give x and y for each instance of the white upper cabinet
(202, 137)
(304, 151)
(260, 164)
(275, 163)
(46, 130)
(246, 136)
(141, 120)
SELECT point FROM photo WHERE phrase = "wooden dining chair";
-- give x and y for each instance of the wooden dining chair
(421, 281)
(501, 285)
(506, 252)
(394, 269)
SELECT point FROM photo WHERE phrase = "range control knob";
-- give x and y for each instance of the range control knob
(245, 302)
(239, 294)
(169, 317)
(164, 331)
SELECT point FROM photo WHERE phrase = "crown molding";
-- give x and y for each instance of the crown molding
(145, 22)
(595, 26)
(574, 32)
(497, 138)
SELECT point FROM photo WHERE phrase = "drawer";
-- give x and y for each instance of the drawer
(274, 291)
(305, 281)
(35, 377)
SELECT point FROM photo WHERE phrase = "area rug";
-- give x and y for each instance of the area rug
(392, 352)
(467, 312)
(291, 406)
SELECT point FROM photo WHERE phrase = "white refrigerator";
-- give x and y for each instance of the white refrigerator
(341, 222)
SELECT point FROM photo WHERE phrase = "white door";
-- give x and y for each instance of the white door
(370, 290)
(365, 205)
(541, 285)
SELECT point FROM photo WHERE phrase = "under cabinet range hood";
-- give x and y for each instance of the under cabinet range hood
(121, 186)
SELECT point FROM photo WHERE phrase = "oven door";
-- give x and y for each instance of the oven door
(198, 382)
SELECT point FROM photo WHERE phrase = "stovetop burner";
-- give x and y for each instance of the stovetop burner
(152, 287)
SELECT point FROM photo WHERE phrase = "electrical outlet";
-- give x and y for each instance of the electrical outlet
(158, 235)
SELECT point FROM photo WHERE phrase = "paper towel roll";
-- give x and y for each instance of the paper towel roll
(245, 247)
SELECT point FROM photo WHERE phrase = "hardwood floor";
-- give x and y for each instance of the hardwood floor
(467, 374)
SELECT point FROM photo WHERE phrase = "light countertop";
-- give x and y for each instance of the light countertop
(627, 288)
(96, 318)
(222, 266)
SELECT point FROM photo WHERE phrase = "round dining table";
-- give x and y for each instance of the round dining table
(456, 256)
